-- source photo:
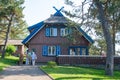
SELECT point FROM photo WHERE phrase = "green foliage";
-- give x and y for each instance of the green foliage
(51, 64)
(11, 16)
(12, 25)
(78, 73)
(7, 61)
(10, 49)
(90, 19)
(94, 50)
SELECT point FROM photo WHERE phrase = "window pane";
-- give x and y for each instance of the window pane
(51, 32)
(51, 50)
(62, 32)
(83, 51)
(54, 31)
(77, 51)
(72, 51)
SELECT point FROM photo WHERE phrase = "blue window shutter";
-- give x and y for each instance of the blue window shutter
(58, 50)
(47, 32)
(80, 51)
(87, 53)
(45, 50)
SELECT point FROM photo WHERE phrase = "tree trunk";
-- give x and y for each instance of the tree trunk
(7, 36)
(108, 39)
(113, 33)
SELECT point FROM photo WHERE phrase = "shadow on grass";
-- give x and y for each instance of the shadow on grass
(83, 78)
(84, 73)
(8, 61)
(73, 70)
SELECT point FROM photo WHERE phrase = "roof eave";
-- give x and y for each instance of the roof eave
(28, 38)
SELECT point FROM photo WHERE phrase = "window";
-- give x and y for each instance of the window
(83, 51)
(51, 32)
(72, 51)
(63, 31)
(51, 50)
(78, 50)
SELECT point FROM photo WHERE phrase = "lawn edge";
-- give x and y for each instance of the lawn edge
(46, 73)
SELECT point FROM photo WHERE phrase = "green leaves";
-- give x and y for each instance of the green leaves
(10, 49)
(12, 9)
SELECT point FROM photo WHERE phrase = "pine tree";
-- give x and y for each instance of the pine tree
(10, 15)
(99, 11)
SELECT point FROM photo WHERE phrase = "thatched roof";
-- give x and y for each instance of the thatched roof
(56, 19)
(12, 42)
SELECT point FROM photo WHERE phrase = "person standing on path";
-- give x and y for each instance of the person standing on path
(34, 57)
(27, 57)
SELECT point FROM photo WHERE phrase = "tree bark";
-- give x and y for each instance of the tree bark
(7, 36)
(108, 39)
(113, 33)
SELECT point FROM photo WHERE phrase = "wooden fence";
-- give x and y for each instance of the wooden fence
(84, 59)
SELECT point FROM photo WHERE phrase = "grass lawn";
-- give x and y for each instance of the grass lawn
(9, 60)
(78, 73)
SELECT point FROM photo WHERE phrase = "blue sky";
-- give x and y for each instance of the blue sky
(38, 10)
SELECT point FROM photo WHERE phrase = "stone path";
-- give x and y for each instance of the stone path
(23, 73)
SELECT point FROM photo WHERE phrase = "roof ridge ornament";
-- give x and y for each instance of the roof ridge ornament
(58, 11)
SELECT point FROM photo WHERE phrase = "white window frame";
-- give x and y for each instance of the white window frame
(63, 32)
(83, 51)
(51, 50)
(53, 31)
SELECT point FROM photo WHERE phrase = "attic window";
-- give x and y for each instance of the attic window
(63, 31)
(51, 32)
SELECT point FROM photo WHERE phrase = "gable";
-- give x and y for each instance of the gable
(57, 18)
(86, 36)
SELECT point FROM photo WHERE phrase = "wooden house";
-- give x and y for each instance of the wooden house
(17, 43)
(49, 38)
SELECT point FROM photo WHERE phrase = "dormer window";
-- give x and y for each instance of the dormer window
(51, 32)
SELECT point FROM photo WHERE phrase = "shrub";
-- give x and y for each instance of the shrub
(51, 64)
(10, 50)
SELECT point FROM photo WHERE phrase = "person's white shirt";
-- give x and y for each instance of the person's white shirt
(33, 55)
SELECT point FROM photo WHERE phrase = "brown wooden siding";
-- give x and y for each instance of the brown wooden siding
(77, 60)
(40, 39)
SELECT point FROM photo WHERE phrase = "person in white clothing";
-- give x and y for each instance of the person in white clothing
(27, 57)
(34, 57)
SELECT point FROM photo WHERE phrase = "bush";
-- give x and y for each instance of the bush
(10, 50)
(51, 64)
